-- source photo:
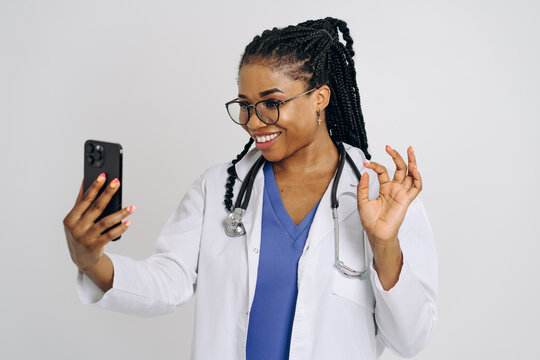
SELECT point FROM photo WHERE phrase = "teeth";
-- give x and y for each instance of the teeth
(263, 139)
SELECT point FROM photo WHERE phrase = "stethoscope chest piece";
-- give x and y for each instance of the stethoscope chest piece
(233, 223)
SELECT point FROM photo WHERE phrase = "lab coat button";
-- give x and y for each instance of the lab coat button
(255, 250)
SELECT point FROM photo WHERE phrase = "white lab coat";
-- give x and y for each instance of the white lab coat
(335, 317)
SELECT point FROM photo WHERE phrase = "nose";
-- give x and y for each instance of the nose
(254, 122)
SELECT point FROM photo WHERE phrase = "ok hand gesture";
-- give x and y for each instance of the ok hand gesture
(382, 217)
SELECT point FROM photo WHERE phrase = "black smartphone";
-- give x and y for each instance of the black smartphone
(101, 156)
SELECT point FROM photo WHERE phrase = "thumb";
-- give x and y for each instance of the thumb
(363, 189)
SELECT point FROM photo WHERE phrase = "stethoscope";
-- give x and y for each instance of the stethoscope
(234, 226)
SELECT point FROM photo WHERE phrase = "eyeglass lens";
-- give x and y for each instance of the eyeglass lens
(267, 111)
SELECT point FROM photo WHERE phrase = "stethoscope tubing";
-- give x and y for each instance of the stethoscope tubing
(234, 226)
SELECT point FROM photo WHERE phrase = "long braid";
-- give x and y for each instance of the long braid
(233, 175)
(312, 52)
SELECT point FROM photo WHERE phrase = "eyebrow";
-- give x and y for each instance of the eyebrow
(263, 93)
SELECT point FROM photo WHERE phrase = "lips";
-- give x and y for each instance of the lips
(264, 141)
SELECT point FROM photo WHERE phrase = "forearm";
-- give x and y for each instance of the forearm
(102, 273)
(387, 261)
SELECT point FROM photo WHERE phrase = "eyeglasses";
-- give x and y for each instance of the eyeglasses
(267, 110)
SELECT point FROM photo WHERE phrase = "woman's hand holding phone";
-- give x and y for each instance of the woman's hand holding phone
(84, 237)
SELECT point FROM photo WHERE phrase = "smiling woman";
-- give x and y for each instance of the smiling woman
(282, 281)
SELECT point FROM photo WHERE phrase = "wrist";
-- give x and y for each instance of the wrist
(388, 261)
(102, 273)
(386, 249)
(89, 268)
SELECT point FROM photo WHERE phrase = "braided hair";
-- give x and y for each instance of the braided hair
(311, 51)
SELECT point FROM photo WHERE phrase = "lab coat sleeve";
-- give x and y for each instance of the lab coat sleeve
(167, 278)
(405, 314)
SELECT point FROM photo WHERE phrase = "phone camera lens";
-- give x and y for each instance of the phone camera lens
(89, 159)
(89, 147)
(98, 155)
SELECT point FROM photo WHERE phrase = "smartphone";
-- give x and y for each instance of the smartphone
(101, 156)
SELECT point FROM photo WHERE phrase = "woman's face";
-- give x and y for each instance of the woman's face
(297, 126)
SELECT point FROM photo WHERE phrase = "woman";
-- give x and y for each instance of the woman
(277, 291)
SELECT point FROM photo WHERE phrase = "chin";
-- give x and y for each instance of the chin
(272, 156)
(274, 150)
(275, 153)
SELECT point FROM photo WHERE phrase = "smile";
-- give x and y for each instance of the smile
(265, 138)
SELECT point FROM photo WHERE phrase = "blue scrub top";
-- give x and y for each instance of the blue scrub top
(282, 244)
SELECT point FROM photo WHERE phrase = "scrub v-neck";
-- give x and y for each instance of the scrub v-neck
(279, 209)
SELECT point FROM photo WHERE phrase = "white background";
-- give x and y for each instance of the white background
(458, 80)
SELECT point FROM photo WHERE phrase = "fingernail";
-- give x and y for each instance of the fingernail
(415, 168)
(115, 183)
(366, 163)
(389, 147)
(412, 149)
(131, 208)
(101, 177)
(127, 223)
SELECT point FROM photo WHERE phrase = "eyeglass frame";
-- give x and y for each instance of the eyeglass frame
(278, 103)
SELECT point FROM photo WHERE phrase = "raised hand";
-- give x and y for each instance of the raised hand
(382, 217)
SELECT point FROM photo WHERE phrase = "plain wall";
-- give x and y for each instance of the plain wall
(458, 80)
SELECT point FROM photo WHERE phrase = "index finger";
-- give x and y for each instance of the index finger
(401, 167)
(382, 174)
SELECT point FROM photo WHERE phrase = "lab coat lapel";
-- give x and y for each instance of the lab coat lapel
(253, 225)
(243, 166)
(323, 221)
(252, 218)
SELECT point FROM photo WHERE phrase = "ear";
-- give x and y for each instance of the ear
(322, 98)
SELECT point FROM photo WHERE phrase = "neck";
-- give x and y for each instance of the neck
(321, 155)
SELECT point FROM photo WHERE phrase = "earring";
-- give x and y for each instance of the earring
(319, 117)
